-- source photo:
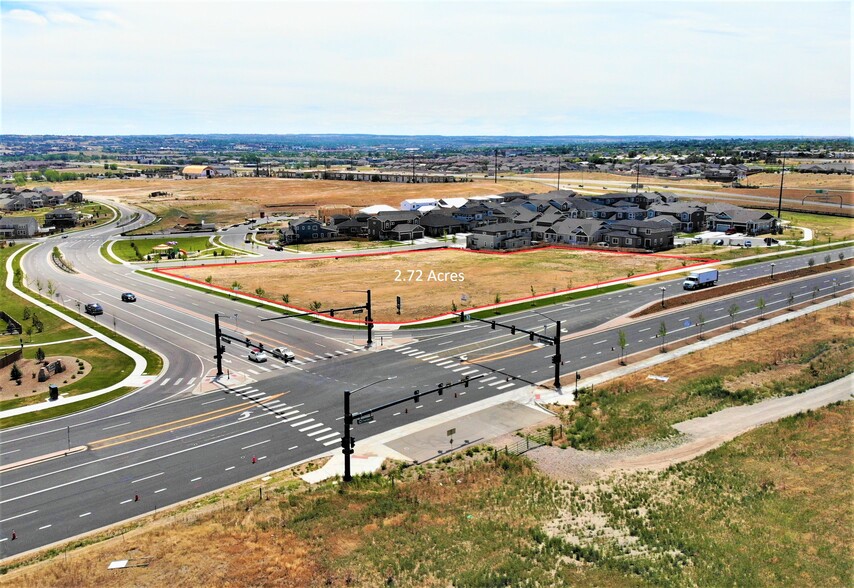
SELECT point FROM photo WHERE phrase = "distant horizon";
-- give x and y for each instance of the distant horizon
(496, 68)
(460, 136)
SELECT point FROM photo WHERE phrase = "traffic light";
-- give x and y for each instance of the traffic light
(512, 329)
(398, 305)
(441, 389)
(462, 317)
(222, 348)
(531, 336)
(247, 341)
(332, 312)
(577, 376)
(416, 396)
(352, 442)
(466, 382)
(260, 347)
(493, 325)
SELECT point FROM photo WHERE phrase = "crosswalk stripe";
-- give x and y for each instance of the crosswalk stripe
(253, 372)
(303, 422)
(313, 433)
(505, 386)
(325, 437)
(443, 364)
(190, 381)
(468, 373)
(328, 443)
(310, 427)
(178, 381)
(164, 381)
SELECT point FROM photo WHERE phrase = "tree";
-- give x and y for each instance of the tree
(841, 256)
(815, 291)
(827, 259)
(315, 306)
(662, 333)
(701, 322)
(51, 288)
(733, 310)
(235, 285)
(760, 306)
(623, 343)
(40, 354)
(810, 262)
(16, 372)
(27, 313)
(260, 292)
(791, 300)
(286, 298)
(209, 279)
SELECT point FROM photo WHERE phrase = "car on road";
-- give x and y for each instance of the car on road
(771, 241)
(284, 354)
(279, 248)
(257, 356)
(718, 242)
(65, 236)
(128, 297)
(94, 309)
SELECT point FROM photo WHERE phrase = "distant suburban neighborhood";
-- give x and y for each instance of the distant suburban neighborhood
(59, 218)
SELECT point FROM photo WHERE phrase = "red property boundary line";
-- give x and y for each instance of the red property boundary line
(168, 272)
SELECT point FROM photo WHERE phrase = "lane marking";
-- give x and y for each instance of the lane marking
(114, 426)
(85, 514)
(255, 445)
(292, 448)
(126, 501)
(230, 468)
(196, 479)
(147, 478)
(18, 516)
(158, 491)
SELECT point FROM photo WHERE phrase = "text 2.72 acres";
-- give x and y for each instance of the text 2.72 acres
(431, 276)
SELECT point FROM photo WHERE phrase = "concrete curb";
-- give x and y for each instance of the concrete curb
(41, 458)
(139, 362)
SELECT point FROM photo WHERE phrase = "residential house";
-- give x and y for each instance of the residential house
(501, 236)
(417, 203)
(475, 215)
(692, 218)
(353, 227)
(304, 230)
(19, 227)
(62, 218)
(381, 225)
(634, 234)
(744, 220)
(406, 232)
(439, 224)
(572, 231)
(75, 197)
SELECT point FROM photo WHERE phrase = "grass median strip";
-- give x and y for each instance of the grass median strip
(65, 409)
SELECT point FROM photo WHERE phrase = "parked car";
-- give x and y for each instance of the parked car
(771, 241)
(748, 243)
(718, 242)
(279, 248)
(128, 297)
(94, 309)
(257, 356)
(731, 231)
(697, 240)
(65, 236)
(284, 354)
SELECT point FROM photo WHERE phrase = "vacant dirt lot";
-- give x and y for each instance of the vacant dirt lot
(227, 200)
(425, 280)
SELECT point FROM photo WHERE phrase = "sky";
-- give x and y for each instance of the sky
(426, 67)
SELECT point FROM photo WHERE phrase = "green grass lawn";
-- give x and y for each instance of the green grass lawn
(826, 228)
(192, 245)
(108, 367)
(54, 328)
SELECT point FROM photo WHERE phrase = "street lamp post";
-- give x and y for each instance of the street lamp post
(347, 441)
(772, 270)
(662, 296)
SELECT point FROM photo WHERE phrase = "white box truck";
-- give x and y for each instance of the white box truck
(701, 279)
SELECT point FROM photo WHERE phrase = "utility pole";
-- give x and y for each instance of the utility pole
(780, 201)
(496, 166)
(558, 171)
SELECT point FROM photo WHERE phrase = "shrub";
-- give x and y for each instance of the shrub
(16, 372)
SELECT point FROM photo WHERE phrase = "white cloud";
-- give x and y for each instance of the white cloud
(109, 17)
(26, 16)
(65, 18)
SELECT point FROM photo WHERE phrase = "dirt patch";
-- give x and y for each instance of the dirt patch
(719, 291)
(30, 385)
(429, 282)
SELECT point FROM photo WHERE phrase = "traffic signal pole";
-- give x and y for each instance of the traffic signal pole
(557, 358)
(218, 355)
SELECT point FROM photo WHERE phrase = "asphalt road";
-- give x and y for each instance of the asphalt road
(165, 444)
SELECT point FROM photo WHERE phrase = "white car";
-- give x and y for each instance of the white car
(284, 354)
(257, 356)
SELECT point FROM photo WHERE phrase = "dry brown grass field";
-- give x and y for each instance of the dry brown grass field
(228, 200)
(408, 275)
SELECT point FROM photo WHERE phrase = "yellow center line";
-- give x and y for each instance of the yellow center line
(171, 426)
(505, 354)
